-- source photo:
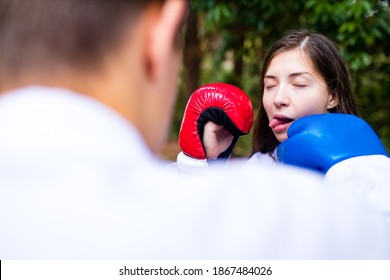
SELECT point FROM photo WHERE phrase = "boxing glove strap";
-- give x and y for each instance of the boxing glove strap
(189, 164)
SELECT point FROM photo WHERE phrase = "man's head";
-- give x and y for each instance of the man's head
(121, 52)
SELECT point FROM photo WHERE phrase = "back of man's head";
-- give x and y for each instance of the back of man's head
(41, 35)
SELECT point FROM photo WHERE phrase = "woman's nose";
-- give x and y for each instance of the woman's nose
(281, 97)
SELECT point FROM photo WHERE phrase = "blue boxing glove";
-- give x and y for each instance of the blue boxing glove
(320, 141)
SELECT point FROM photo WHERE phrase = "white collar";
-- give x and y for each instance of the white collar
(62, 121)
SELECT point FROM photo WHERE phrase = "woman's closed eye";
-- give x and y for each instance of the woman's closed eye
(269, 86)
(299, 85)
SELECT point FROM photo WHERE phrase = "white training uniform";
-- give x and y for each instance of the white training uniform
(262, 159)
(365, 175)
(77, 182)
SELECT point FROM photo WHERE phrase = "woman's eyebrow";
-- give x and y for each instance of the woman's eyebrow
(299, 74)
(295, 74)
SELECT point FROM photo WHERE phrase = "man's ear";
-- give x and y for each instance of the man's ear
(163, 34)
(333, 101)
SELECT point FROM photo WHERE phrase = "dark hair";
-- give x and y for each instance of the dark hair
(76, 32)
(327, 62)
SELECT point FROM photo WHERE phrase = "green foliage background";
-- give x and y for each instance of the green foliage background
(233, 36)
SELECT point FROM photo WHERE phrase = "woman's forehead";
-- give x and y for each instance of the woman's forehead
(290, 62)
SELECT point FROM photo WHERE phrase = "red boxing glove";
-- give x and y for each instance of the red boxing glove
(221, 103)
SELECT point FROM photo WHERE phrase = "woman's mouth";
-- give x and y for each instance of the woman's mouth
(280, 123)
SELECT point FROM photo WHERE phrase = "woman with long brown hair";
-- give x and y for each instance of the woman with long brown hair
(303, 74)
